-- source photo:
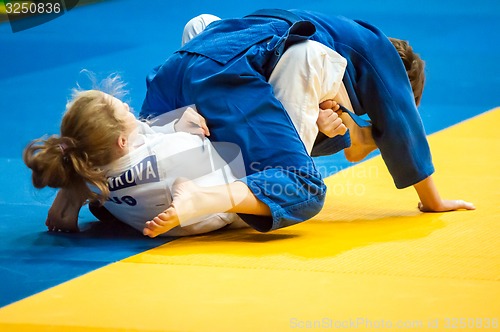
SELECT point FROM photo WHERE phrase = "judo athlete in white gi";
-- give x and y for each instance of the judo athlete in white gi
(138, 180)
(141, 182)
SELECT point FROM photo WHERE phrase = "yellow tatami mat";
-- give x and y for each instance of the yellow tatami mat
(369, 261)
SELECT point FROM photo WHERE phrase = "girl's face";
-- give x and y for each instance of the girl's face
(123, 113)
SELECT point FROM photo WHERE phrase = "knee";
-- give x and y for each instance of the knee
(317, 201)
(313, 199)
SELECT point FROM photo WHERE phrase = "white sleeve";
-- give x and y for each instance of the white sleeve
(168, 128)
(165, 123)
(307, 74)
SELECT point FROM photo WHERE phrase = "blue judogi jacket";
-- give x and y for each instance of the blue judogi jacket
(224, 71)
(378, 86)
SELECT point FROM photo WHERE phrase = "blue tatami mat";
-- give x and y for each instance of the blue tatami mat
(40, 66)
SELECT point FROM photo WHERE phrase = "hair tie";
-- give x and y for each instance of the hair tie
(63, 148)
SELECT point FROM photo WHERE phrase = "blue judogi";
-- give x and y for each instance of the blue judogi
(224, 72)
(378, 86)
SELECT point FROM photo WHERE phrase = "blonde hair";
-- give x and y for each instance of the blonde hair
(414, 66)
(89, 132)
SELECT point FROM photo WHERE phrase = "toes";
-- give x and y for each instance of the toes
(151, 225)
(162, 221)
(148, 232)
(150, 229)
(160, 224)
(161, 218)
(154, 227)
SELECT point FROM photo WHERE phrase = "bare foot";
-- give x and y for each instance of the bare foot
(63, 214)
(191, 203)
(162, 223)
(362, 142)
(182, 208)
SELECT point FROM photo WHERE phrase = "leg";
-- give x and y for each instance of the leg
(362, 142)
(191, 201)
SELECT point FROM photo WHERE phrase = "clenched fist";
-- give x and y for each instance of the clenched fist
(329, 122)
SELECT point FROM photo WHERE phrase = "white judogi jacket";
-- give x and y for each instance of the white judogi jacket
(140, 183)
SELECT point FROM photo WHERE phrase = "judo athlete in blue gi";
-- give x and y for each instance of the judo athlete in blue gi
(224, 71)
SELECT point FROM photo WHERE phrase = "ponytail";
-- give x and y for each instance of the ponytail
(48, 161)
(56, 162)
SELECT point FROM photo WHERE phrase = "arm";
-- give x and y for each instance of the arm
(192, 122)
(431, 201)
(185, 119)
(63, 214)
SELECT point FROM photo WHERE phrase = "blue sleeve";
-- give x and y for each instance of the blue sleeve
(378, 85)
(153, 104)
(397, 128)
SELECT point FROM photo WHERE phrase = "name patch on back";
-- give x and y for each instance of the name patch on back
(146, 171)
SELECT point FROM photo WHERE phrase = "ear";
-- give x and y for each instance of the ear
(122, 141)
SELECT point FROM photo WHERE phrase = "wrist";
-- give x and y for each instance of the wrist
(434, 205)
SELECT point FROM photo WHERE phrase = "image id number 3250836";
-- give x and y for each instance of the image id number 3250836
(29, 7)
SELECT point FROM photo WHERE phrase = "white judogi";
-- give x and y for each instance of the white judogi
(140, 183)
(306, 75)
